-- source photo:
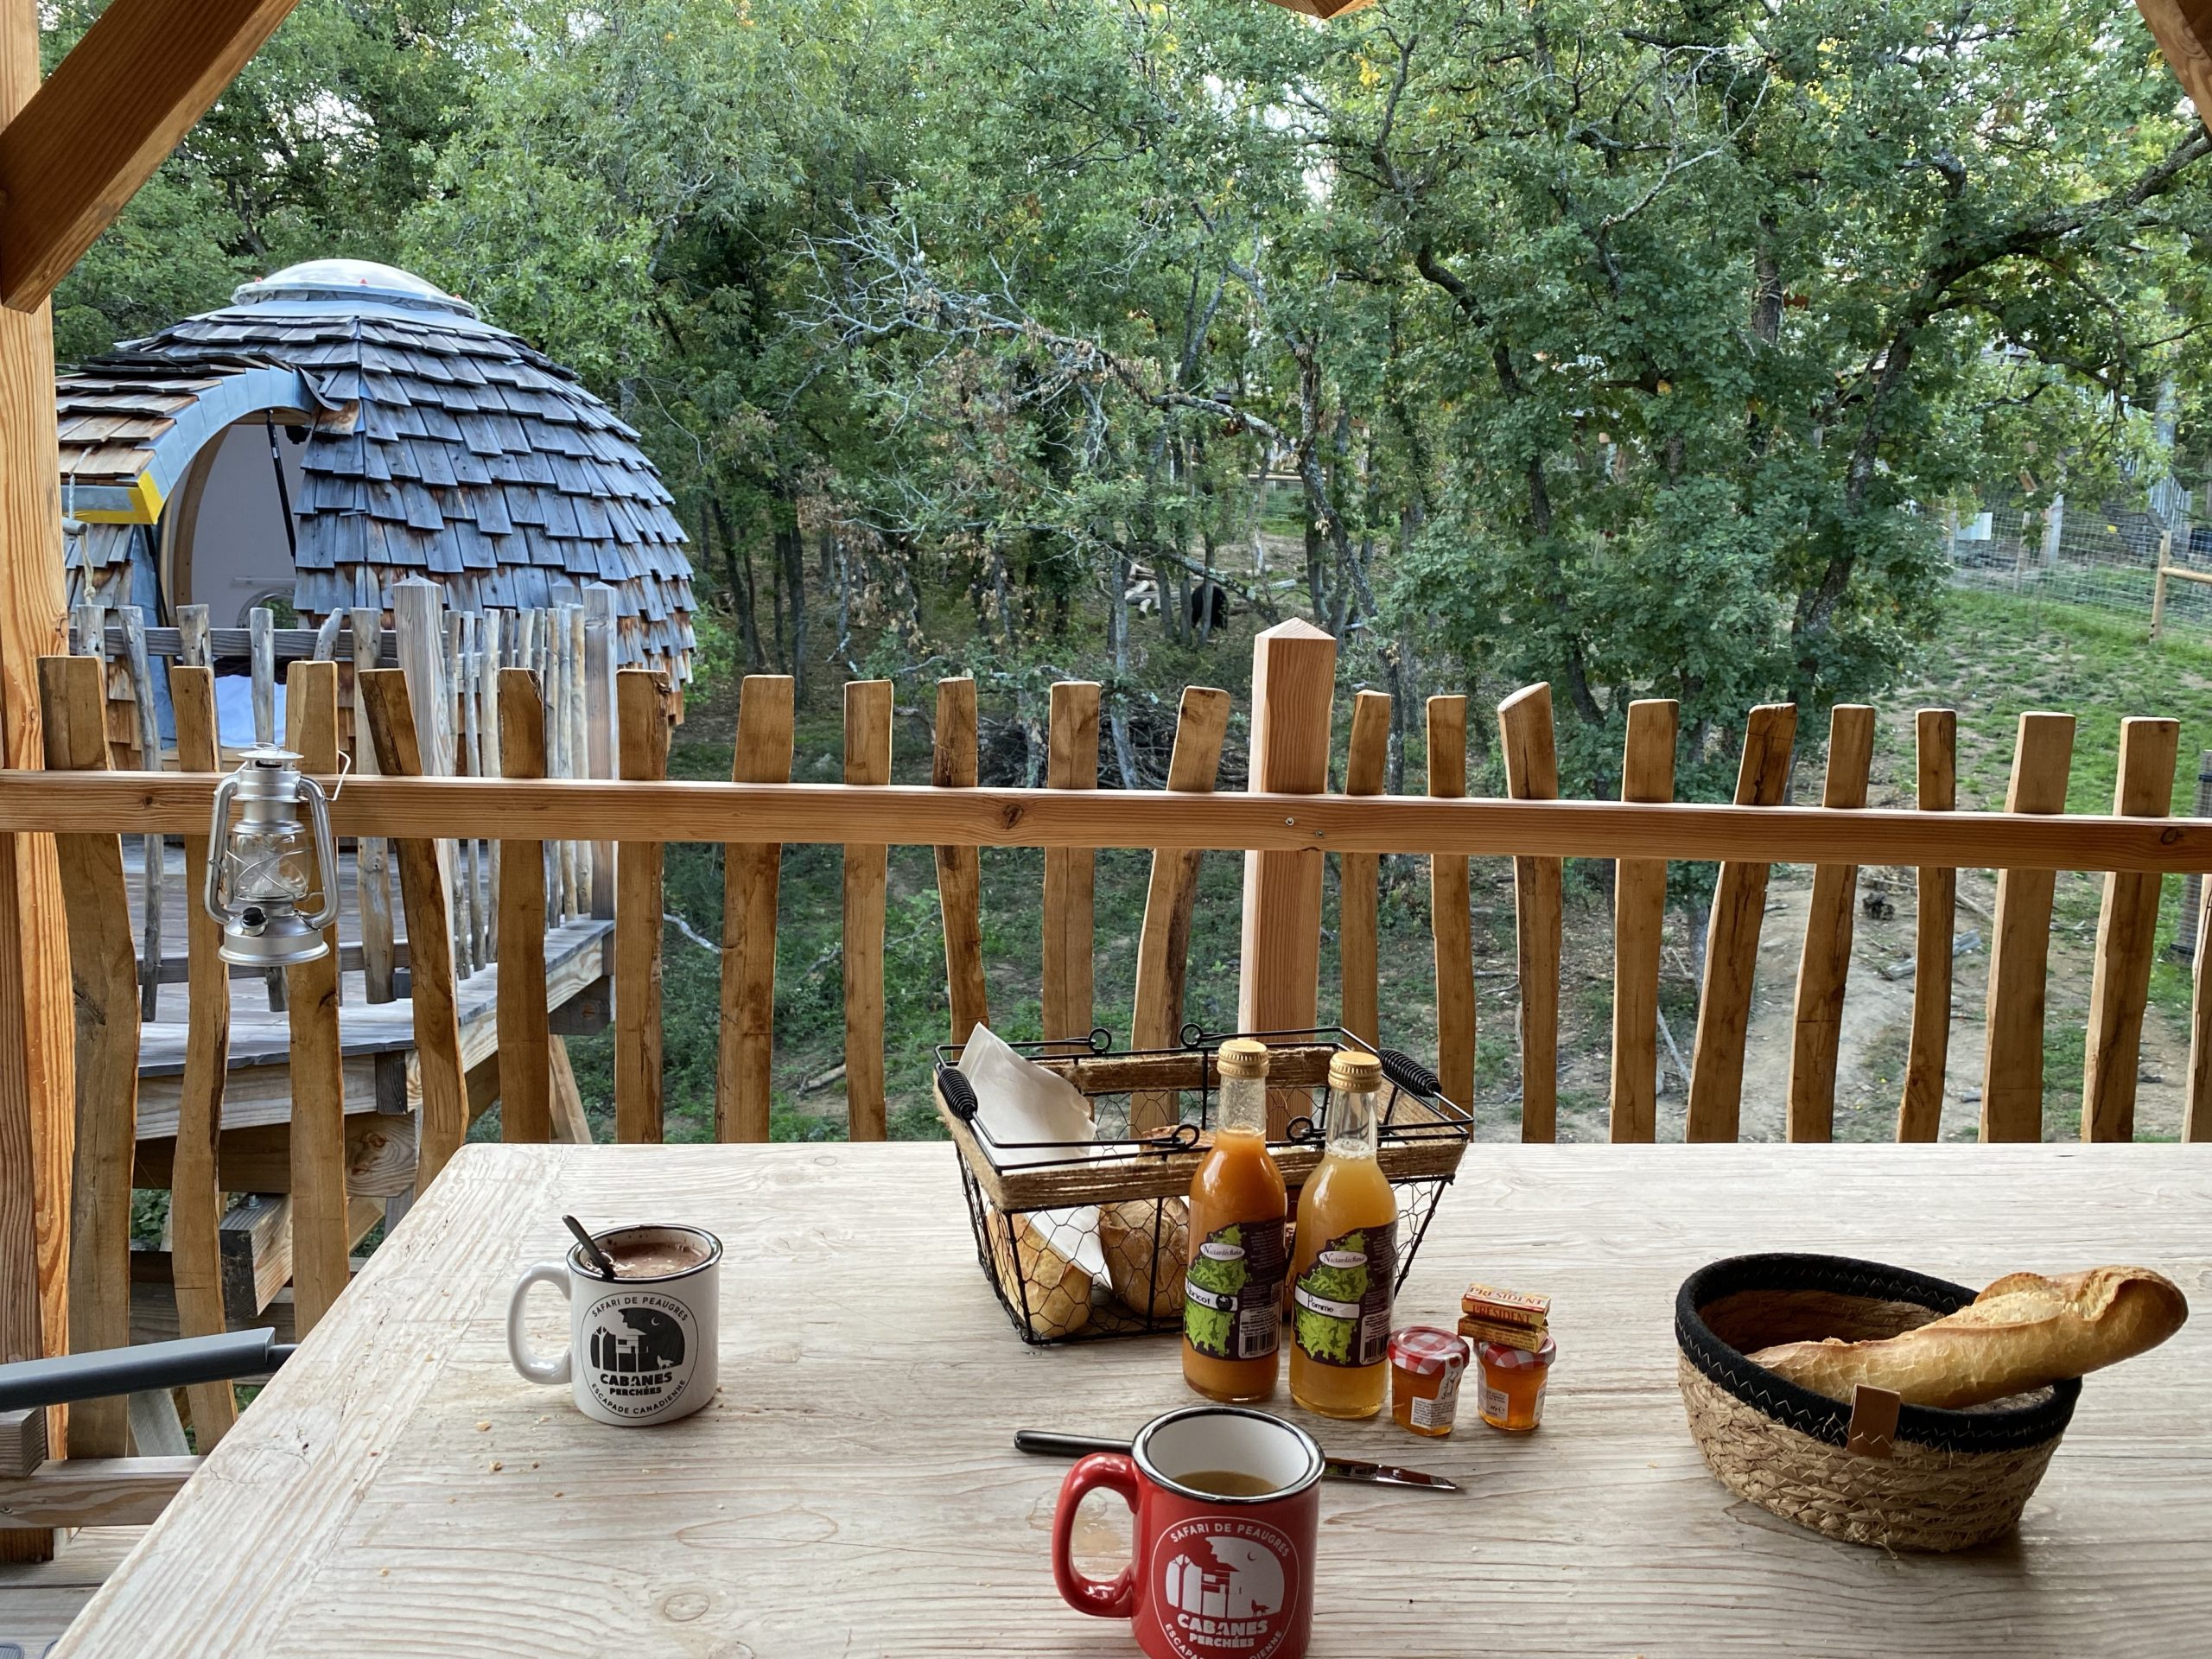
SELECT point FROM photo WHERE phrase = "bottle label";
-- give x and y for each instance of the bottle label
(1232, 1291)
(1438, 1412)
(1341, 1310)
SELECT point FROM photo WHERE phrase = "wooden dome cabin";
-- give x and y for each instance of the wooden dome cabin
(341, 426)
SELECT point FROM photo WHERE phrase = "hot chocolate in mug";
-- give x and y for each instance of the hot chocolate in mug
(641, 1345)
(1228, 1502)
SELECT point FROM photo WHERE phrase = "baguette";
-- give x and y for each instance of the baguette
(2023, 1332)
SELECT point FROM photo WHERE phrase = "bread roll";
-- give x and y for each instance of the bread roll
(2021, 1334)
(1056, 1292)
(1146, 1282)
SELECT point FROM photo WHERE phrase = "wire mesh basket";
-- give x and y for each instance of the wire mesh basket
(1082, 1240)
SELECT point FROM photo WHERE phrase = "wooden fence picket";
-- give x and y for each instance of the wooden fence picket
(195, 1195)
(1450, 914)
(1367, 759)
(1164, 941)
(959, 869)
(2019, 952)
(317, 1140)
(104, 982)
(525, 1047)
(1824, 963)
(1524, 725)
(1920, 1106)
(640, 695)
(1639, 920)
(1731, 945)
(867, 761)
(752, 872)
(1070, 873)
(2127, 928)
(444, 1119)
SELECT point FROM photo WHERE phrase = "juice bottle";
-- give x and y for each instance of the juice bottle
(1347, 1257)
(1232, 1290)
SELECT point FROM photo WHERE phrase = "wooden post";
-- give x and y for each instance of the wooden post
(1070, 872)
(1366, 762)
(1824, 964)
(959, 869)
(1920, 1109)
(579, 747)
(261, 623)
(867, 761)
(1639, 920)
(525, 1047)
(104, 975)
(2127, 929)
(751, 874)
(1450, 920)
(1732, 944)
(2011, 1075)
(638, 918)
(1524, 725)
(195, 1195)
(320, 1234)
(1278, 979)
(2158, 585)
(1164, 941)
(38, 1102)
(429, 946)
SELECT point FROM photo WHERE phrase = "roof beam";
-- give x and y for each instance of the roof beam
(2183, 31)
(106, 118)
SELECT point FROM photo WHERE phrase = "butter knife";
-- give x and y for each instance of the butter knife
(1044, 1444)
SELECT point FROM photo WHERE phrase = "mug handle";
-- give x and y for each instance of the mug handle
(536, 1369)
(1116, 1474)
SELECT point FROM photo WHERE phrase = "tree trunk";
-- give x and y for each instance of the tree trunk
(740, 579)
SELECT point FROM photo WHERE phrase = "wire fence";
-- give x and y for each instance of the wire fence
(2103, 556)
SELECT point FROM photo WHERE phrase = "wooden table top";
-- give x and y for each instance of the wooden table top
(398, 1489)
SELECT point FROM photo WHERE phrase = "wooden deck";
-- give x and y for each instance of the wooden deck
(578, 956)
(39, 1598)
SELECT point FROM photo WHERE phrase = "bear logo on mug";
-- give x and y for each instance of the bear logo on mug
(1224, 1586)
(639, 1352)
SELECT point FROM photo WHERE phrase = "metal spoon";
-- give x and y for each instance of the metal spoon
(593, 1254)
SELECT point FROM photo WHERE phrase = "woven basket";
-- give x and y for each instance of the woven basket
(1955, 1480)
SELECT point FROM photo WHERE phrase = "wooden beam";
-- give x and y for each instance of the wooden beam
(867, 767)
(1639, 925)
(1525, 729)
(1920, 1106)
(915, 815)
(2019, 945)
(2183, 31)
(1367, 757)
(2127, 927)
(526, 1048)
(38, 1083)
(112, 112)
(94, 1492)
(1450, 919)
(959, 869)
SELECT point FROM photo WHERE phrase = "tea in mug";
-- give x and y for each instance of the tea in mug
(1227, 1483)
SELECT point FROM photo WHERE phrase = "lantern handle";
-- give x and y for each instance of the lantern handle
(326, 852)
(219, 829)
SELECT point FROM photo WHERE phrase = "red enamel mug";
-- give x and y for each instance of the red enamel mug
(1212, 1576)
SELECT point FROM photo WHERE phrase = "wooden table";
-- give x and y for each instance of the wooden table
(399, 1490)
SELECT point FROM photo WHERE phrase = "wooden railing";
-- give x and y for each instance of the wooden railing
(1290, 828)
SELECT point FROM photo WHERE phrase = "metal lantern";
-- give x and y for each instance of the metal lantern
(261, 869)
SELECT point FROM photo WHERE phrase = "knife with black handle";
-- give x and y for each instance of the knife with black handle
(1043, 1443)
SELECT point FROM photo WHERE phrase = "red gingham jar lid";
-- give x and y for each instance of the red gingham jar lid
(1425, 1350)
(1500, 1358)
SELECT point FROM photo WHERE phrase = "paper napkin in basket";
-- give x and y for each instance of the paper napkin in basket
(1018, 1103)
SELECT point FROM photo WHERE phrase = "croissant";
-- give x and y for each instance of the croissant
(2021, 1334)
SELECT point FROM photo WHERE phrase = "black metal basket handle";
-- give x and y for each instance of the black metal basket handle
(1409, 1073)
(959, 1094)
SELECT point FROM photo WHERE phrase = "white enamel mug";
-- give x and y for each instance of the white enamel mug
(640, 1350)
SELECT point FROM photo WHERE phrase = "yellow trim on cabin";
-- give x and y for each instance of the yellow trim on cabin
(146, 499)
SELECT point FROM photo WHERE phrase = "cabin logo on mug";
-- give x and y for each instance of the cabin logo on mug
(639, 1352)
(1225, 1588)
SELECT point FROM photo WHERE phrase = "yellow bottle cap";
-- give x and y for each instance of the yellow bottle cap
(1243, 1056)
(1354, 1072)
